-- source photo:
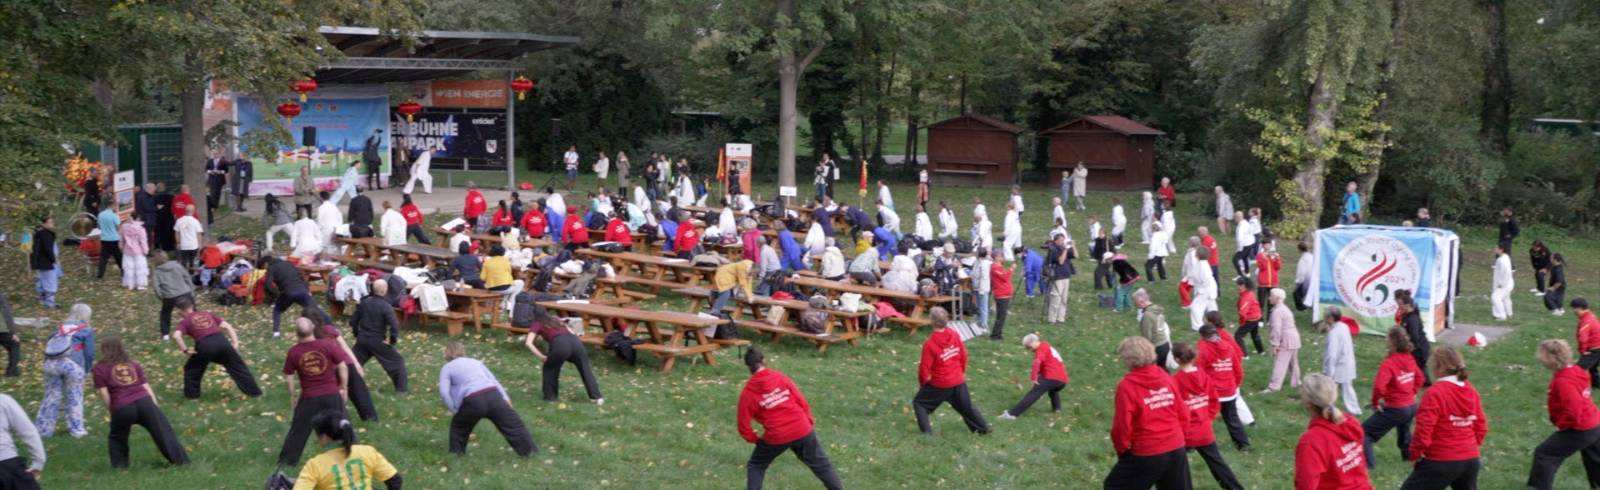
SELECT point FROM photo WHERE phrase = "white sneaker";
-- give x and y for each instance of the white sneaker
(1538, 293)
(165, 337)
(599, 401)
(275, 334)
(1535, 291)
(1006, 415)
(1558, 312)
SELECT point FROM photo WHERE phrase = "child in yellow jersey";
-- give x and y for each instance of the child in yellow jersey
(344, 468)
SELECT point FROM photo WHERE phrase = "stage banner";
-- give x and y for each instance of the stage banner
(461, 139)
(1359, 268)
(329, 135)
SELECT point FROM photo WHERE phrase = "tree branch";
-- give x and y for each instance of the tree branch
(810, 56)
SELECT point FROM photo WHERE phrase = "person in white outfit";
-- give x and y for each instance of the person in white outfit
(983, 233)
(884, 195)
(347, 183)
(1057, 215)
(1147, 215)
(1169, 223)
(1198, 272)
(393, 225)
(602, 166)
(305, 238)
(1119, 221)
(816, 240)
(420, 172)
(1012, 231)
(889, 219)
(1080, 184)
(1500, 296)
(328, 220)
(978, 209)
(923, 227)
(947, 222)
(1157, 255)
(1225, 214)
(1245, 240)
(1339, 358)
(1016, 199)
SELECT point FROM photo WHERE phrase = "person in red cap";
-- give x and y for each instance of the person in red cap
(1573, 413)
(1048, 374)
(474, 207)
(1394, 396)
(1147, 430)
(771, 399)
(575, 234)
(1450, 427)
(1249, 315)
(943, 376)
(1194, 386)
(1588, 340)
(1220, 358)
(1329, 453)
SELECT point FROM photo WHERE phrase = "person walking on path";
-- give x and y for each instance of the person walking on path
(771, 399)
(67, 357)
(348, 466)
(1194, 387)
(942, 375)
(1048, 374)
(564, 348)
(315, 371)
(44, 260)
(1394, 397)
(1324, 454)
(1451, 426)
(1147, 426)
(210, 348)
(471, 393)
(1285, 340)
(1573, 413)
(15, 430)
(121, 383)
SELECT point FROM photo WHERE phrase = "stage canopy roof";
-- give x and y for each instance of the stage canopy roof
(372, 56)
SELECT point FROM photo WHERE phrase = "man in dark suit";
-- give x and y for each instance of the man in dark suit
(216, 176)
(242, 173)
(144, 203)
(372, 160)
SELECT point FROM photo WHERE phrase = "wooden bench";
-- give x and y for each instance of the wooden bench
(918, 317)
(973, 173)
(782, 327)
(368, 246)
(666, 333)
(454, 321)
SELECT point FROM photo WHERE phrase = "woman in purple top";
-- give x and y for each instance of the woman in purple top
(121, 383)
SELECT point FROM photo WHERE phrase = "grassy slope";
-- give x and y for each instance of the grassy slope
(676, 430)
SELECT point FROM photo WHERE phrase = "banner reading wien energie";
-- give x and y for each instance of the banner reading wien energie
(1359, 268)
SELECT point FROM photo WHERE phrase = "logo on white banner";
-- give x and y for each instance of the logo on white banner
(1368, 271)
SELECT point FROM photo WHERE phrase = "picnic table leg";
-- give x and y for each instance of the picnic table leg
(477, 317)
(711, 360)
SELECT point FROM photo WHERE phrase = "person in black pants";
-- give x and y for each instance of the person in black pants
(1411, 320)
(1508, 229)
(1574, 416)
(8, 339)
(564, 348)
(316, 372)
(210, 348)
(171, 282)
(356, 386)
(360, 214)
(1049, 377)
(289, 286)
(942, 376)
(771, 399)
(120, 381)
(373, 321)
(471, 393)
(1556, 291)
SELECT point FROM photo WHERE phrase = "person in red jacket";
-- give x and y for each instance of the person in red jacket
(575, 234)
(1048, 374)
(1220, 359)
(1210, 242)
(1329, 453)
(771, 399)
(533, 224)
(1450, 427)
(182, 202)
(942, 375)
(1573, 413)
(1168, 193)
(1147, 428)
(1249, 315)
(1000, 286)
(502, 220)
(1194, 386)
(688, 239)
(413, 220)
(474, 207)
(1588, 341)
(1268, 264)
(617, 231)
(1394, 396)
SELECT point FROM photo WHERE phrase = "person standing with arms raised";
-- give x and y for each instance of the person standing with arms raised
(210, 348)
(316, 372)
(771, 399)
(942, 375)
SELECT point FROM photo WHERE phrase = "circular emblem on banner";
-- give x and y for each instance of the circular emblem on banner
(1370, 269)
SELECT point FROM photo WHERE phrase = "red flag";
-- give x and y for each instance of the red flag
(722, 165)
(863, 176)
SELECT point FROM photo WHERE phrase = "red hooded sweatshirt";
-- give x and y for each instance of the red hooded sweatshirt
(1329, 456)
(180, 204)
(772, 400)
(1450, 424)
(533, 223)
(1047, 364)
(1588, 332)
(475, 205)
(617, 231)
(1249, 308)
(688, 237)
(1396, 385)
(1000, 281)
(1569, 402)
(1221, 360)
(412, 214)
(944, 360)
(1149, 415)
(1210, 242)
(576, 231)
(1195, 386)
(1267, 268)
(502, 217)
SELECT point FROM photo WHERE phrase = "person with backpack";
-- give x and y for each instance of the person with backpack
(67, 357)
(44, 260)
(471, 393)
(121, 383)
(347, 466)
(942, 376)
(210, 348)
(373, 321)
(316, 372)
(1048, 374)
(771, 399)
(564, 348)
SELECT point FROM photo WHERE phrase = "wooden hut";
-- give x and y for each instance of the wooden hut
(1119, 152)
(973, 149)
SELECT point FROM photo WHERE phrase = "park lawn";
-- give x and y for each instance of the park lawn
(676, 430)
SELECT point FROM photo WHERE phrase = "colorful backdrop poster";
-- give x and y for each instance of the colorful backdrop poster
(1359, 268)
(329, 135)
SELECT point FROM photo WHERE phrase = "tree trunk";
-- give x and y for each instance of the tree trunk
(105, 97)
(788, 117)
(1366, 181)
(192, 102)
(1496, 117)
(1321, 112)
(911, 122)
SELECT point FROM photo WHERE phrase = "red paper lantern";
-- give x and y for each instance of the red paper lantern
(522, 85)
(289, 110)
(409, 108)
(304, 86)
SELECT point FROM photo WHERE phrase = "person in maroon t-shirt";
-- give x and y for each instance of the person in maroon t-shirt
(316, 372)
(771, 399)
(210, 347)
(129, 399)
(943, 376)
(356, 384)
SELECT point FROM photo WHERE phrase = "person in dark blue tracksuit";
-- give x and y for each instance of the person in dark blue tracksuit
(1033, 271)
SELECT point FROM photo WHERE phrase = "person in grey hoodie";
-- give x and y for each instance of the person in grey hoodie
(15, 428)
(171, 282)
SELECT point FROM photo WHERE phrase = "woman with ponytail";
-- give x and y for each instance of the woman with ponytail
(1450, 427)
(1329, 454)
(349, 465)
(1394, 395)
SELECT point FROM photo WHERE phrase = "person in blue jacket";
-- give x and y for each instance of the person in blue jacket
(885, 241)
(793, 256)
(1032, 270)
(1352, 203)
(556, 222)
(820, 214)
(669, 229)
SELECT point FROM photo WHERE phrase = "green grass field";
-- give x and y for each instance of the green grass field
(676, 430)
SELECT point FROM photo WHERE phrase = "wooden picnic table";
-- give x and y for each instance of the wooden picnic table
(426, 254)
(475, 302)
(316, 275)
(779, 326)
(916, 319)
(652, 271)
(666, 333)
(368, 246)
(486, 240)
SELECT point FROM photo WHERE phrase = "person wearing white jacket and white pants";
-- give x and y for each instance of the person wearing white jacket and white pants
(1012, 232)
(1339, 358)
(923, 227)
(1158, 252)
(1198, 272)
(392, 226)
(1500, 296)
(947, 222)
(1119, 221)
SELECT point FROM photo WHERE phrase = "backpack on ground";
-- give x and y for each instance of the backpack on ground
(618, 342)
(522, 310)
